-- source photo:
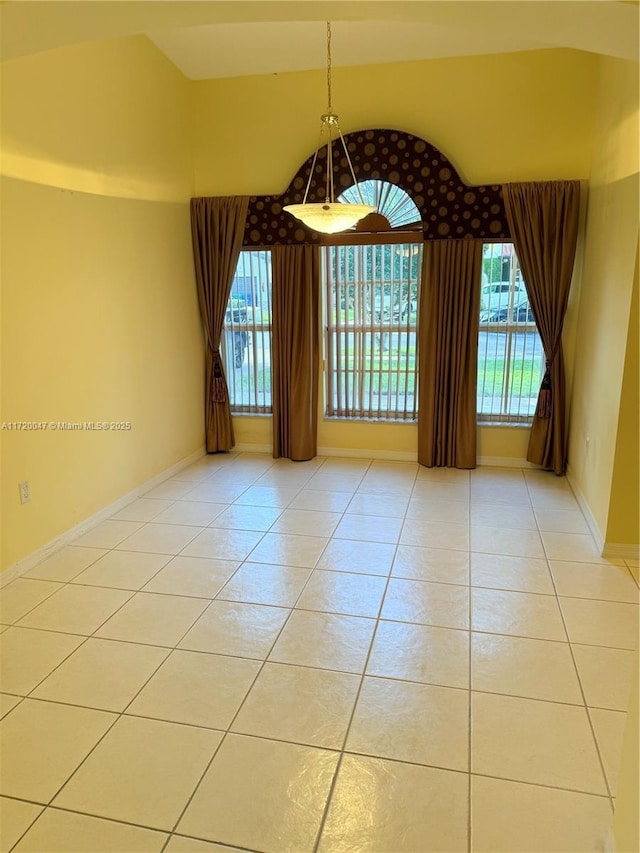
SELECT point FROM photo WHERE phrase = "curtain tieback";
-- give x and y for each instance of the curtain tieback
(218, 385)
(543, 407)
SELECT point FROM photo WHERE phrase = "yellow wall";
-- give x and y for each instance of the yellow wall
(624, 506)
(253, 133)
(606, 288)
(100, 318)
(533, 123)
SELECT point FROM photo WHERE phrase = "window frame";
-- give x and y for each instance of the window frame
(509, 328)
(407, 235)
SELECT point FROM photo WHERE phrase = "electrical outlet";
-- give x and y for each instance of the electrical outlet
(25, 492)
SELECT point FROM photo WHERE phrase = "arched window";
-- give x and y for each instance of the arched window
(394, 203)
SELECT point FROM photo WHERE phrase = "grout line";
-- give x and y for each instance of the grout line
(470, 707)
(292, 609)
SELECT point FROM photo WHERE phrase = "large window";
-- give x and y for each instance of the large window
(371, 304)
(510, 354)
(246, 338)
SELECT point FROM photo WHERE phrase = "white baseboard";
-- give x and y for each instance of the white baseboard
(621, 551)
(504, 462)
(68, 536)
(609, 843)
(356, 453)
(586, 511)
(253, 448)
(390, 455)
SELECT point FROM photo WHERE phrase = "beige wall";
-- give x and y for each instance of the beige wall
(253, 133)
(533, 123)
(624, 506)
(100, 319)
(606, 289)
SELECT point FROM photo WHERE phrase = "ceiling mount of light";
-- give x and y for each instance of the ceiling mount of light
(329, 216)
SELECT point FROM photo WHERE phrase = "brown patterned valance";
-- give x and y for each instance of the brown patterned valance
(449, 208)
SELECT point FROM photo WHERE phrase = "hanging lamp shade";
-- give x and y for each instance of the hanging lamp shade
(329, 216)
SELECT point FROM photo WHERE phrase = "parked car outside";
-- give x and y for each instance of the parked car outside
(237, 337)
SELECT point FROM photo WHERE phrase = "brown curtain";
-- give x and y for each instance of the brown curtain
(448, 353)
(217, 228)
(295, 350)
(543, 220)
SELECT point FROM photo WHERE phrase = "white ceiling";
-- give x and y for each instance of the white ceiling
(221, 38)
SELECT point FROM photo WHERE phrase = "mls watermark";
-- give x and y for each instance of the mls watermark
(66, 426)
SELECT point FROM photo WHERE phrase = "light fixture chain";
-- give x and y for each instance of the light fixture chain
(329, 108)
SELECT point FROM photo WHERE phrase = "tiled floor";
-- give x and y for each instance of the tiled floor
(339, 655)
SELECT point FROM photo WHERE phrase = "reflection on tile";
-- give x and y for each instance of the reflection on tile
(521, 614)
(261, 583)
(300, 705)
(421, 653)
(428, 509)
(229, 628)
(142, 772)
(435, 534)
(537, 669)
(609, 727)
(371, 558)
(431, 564)
(325, 641)
(64, 832)
(531, 741)
(412, 722)
(223, 544)
(102, 674)
(197, 576)
(262, 795)
(577, 547)
(341, 592)
(369, 528)
(241, 517)
(273, 496)
(515, 543)
(601, 623)
(517, 517)
(386, 506)
(386, 805)
(530, 817)
(195, 688)
(28, 656)
(522, 574)
(289, 550)
(42, 744)
(606, 675)
(443, 605)
(594, 580)
(306, 522)
(65, 564)
(561, 521)
(321, 500)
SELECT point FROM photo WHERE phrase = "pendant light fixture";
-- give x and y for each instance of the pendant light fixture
(329, 216)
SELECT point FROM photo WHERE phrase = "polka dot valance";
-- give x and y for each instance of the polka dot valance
(449, 209)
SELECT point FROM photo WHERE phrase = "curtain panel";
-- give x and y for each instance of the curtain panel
(543, 220)
(217, 229)
(295, 347)
(448, 353)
